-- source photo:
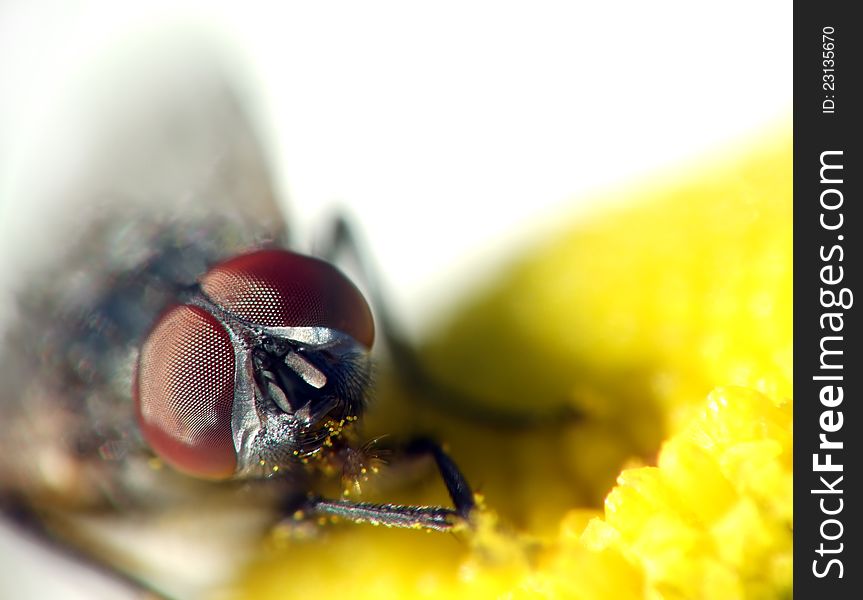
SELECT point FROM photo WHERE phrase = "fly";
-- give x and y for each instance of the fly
(178, 360)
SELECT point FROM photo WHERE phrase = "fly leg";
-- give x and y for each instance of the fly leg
(415, 517)
(344, 241)
(64, 546)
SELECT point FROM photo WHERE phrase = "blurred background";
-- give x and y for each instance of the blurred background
(453, 134)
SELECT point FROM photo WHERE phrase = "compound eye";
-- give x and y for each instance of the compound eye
(276, 288)
(184, 393)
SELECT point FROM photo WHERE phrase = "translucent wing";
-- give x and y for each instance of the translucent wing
(166, 177)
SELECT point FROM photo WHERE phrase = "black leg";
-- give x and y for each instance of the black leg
(389, 515)
(21, 515)
(344, 239)
(456, 483)
(414, 517)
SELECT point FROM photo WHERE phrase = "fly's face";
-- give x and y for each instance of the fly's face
(262, 367)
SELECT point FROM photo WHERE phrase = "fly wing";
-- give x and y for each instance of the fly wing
(167, 176)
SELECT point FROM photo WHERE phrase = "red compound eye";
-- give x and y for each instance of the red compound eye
(184, 392)
(275, 288)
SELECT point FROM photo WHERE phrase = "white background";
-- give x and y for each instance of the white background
(453, 131)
